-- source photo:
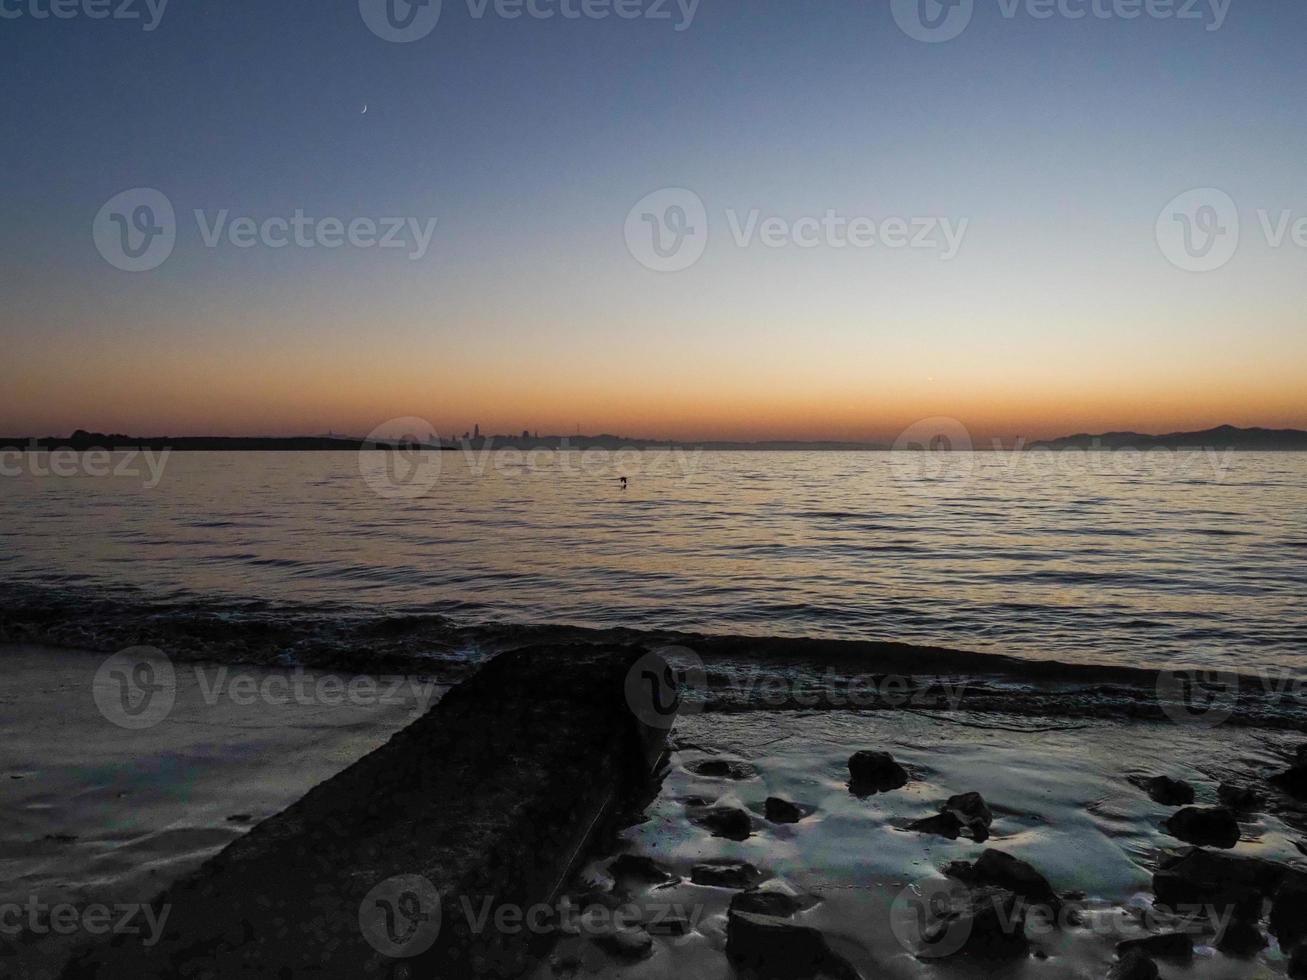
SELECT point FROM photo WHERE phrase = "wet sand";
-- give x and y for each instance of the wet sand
(99, 813)
(1062, 801)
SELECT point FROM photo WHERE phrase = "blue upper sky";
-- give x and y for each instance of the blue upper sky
(1058, 139)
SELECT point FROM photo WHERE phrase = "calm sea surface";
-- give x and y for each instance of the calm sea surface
(1195, 558)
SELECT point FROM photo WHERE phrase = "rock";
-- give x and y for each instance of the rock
(1298, 963)
(1239, 798)
(726, 874)
(1135, 966)
(1166, 946)
(991, 922)
(1241, 938)
(970, 809)
(1233, 869)
(1289, 911)
(776, 904)
(722, 821)
(239, 818)
(637, 867)
(779, 949)
(668, 924)
(1002, 870)
(782, 811)
(1293, 782)
(1175, 892)
(627, 943)
(875, 772)
(1230, 884)
(1168, 791)
(723, 769)
(941, 824)
(1205, 826)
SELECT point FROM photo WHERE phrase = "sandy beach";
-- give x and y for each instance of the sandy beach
(97, 813)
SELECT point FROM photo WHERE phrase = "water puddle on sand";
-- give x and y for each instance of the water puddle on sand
(1062, 801)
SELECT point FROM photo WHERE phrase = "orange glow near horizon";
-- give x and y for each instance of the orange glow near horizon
(178, 393)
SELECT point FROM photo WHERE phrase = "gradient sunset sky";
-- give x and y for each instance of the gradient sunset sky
(1058, 140)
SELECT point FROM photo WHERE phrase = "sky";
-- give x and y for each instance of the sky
(1019, 190)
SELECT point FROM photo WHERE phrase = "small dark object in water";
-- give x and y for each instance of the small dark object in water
(940, 824)
(726, 874)
(1239, 798)
(1241, 938)
(1002, 870)
(782, 811)
(782, 950)
(989, 922)
(723, 821)
(1289, 911)
(776, 904)
(1168, 791)
(1204, 826)
(723, 769)
(1136, 966)
(637, 867)
(628, 943)
(875, 772)
(1166, 946)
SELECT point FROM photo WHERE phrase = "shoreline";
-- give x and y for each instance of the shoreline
(742, 672)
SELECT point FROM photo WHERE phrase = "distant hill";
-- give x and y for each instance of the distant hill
(1222, 437)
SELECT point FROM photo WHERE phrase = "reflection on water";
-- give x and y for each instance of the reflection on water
(1109, 557)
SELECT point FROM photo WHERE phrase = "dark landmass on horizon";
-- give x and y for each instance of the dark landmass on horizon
(1222, 437)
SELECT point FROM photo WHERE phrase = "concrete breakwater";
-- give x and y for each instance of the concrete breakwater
(486, 803)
